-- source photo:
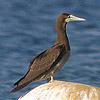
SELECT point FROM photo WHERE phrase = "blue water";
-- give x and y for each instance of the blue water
(27, 27)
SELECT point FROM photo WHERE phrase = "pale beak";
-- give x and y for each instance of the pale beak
(73, 18)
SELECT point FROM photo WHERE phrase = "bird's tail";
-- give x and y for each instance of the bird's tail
(19, 85)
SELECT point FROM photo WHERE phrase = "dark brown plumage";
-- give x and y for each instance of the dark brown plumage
(51, 60)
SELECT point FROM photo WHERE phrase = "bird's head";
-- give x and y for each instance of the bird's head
(65, 17)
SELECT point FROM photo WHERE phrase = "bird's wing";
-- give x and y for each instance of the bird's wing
(46, 61)
(41, 64)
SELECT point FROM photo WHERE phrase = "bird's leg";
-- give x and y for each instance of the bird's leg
(52, 79)
(48, 80)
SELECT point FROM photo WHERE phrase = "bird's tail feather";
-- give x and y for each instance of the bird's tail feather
(19, 87)
(20, 84)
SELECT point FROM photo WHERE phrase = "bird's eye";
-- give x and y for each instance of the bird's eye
(68, 16)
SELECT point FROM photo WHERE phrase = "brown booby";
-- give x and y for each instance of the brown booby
(51, 60)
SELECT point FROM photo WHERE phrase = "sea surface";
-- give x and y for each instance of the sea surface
(27, 27)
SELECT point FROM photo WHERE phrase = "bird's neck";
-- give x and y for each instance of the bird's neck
(61, 32)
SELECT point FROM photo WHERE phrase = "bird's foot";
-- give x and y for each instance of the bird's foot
(52, 79)
(48, 80)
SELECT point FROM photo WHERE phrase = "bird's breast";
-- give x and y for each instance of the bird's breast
(62, 61)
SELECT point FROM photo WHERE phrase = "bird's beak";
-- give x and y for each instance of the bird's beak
(73, 18)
